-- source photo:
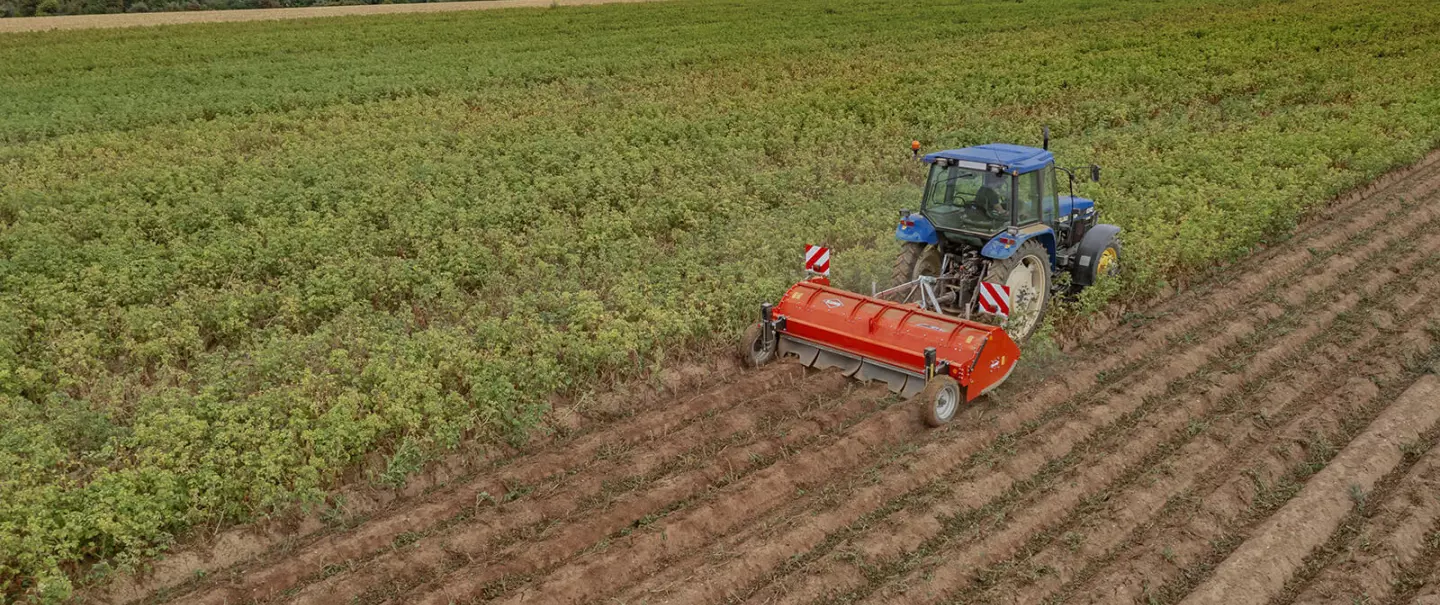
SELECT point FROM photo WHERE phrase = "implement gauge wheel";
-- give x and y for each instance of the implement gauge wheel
(940, 400)
(753, 352)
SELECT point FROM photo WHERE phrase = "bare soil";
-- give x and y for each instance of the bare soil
(1258, 569)
(1270, 436)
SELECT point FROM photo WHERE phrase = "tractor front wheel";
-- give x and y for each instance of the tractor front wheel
(1100, 256)
(1027, 274)
(1108, 264)
(940, 400)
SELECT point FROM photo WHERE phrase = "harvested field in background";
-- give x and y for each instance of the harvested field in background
(34, 24)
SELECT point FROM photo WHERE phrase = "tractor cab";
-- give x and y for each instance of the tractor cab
(977, 194)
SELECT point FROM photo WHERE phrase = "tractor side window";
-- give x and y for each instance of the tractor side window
(1028, 198)
(939, 183)
(1049, 204)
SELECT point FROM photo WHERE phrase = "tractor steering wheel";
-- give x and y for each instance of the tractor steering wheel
(996, 211)
(989, 201)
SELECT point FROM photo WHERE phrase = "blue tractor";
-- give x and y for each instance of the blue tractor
(994, 213)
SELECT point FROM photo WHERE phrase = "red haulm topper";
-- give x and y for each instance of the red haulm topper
(874, 339)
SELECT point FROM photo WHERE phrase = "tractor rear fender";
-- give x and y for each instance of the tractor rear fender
(1002, 246)
(1095, 241)
(916, 228)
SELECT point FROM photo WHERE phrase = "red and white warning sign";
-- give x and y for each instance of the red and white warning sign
(995, 299)
(817, 259)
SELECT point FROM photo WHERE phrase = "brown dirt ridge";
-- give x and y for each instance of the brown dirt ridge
(1272, 436)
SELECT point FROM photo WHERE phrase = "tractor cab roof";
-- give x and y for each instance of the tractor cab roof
(1017, 159)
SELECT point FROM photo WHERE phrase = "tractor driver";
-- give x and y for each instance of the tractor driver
(990, 198)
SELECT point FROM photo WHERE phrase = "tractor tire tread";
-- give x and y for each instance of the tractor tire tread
(911, 255)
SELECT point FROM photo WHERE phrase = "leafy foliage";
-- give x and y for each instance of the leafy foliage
(236, 259)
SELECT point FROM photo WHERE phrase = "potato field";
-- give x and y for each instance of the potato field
(281, 272)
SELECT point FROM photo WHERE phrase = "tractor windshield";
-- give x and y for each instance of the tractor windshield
(967, 199)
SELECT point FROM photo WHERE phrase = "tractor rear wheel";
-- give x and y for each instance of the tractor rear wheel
(915, 259)
(1027, 274)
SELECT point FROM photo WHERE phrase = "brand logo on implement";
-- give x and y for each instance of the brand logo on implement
(995, 364)
(931, 327)
(833, 304)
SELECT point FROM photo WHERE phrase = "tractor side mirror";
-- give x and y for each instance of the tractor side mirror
(1094, 173)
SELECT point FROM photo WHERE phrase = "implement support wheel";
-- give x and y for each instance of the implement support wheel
(940, 400)
(753, 350)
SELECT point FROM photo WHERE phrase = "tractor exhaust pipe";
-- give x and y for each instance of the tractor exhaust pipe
(1045, 142)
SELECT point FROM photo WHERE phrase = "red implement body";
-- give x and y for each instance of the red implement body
(874, 339)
